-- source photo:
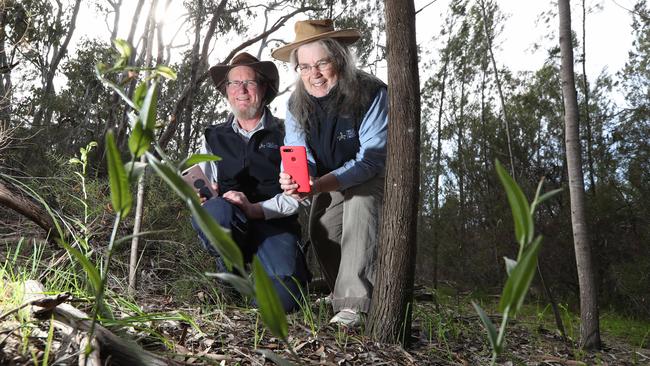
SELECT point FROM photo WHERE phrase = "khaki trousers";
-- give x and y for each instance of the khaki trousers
(344, 228)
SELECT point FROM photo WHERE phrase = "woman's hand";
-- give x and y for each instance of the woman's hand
(290, 187)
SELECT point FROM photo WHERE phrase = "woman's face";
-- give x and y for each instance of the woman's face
(316, 69)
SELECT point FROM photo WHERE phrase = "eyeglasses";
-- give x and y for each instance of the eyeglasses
(236, 84)
(321, 65)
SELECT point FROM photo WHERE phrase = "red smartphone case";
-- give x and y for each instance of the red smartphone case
(294, 161)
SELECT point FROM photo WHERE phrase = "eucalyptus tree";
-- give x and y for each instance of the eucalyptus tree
(82, 110)
(488, 14)
(433, 97)
(224, 21)
(390, 318)
(49, 40)
(13, 26)
(589, 314)
(634, 128)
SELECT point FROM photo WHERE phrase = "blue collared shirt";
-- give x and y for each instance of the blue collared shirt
(370, 160)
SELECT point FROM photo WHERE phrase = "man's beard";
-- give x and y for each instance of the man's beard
(247, 113)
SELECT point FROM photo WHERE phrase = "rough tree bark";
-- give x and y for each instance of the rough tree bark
(390, 318)
(17, 202)
(589, 322)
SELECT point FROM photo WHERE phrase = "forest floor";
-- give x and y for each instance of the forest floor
(212, 333)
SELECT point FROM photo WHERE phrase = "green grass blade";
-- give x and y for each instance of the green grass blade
(134, 170)
(548, 195)
(510, 265)
(489, 326)
(139, 94)
(120, 194)
(123, 48)
(519, 281)
(238, 282)
(143, 132)
(519, 205)
(217, 237)
(268, 301)
(165, 72)
(91, 271)
(48, 344)
(116, 88)
(198, 158)
(148, 110)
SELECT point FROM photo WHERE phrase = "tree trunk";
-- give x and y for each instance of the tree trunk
(461, 161)
(438, 159)
(44, 114)
(26, 207)
(5, 76)
(499, 89)
(115, 105)
(139, 207)
(390, 318)
(195, 67)
(116, 19)
(202, 74)
(590, 160)
(589, 322)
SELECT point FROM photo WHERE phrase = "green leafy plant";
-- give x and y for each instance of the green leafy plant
(141, 142)
(82, 161)
(522, 270)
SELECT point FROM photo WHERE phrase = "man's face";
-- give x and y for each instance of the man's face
(246, 99)
(316, 69)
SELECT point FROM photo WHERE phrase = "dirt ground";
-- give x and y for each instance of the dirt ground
(231, 335)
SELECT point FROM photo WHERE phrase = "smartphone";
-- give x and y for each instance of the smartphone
(195, 177)
(294, 161)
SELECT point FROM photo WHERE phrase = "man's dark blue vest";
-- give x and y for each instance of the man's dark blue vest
(250, 167)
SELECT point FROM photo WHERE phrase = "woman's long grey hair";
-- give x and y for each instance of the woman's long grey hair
(346, 96)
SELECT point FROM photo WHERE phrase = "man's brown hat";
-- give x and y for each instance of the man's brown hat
(308, 31)
(219, 73)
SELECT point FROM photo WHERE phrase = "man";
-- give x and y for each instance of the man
(251, 205)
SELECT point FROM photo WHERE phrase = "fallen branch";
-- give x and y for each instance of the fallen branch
(105, 343)
(24, 206)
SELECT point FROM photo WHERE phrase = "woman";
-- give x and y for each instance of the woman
(340, 114)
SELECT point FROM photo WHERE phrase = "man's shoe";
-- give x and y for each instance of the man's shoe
(346, 317)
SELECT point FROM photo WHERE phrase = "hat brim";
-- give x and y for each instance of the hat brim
(345, 36)
(219, 74)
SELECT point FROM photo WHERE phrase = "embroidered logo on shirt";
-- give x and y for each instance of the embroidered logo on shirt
(346, 135)
(269, 145)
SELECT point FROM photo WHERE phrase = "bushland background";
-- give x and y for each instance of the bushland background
(475, 109)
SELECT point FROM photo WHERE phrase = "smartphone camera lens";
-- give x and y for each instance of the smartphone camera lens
(199, 183)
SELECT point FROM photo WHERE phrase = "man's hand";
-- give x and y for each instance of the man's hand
(239, 199)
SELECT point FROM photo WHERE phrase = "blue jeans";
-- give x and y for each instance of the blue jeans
(274, 241)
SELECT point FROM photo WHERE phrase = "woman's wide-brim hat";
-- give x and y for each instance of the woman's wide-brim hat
(219, 73)
(308, 31)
